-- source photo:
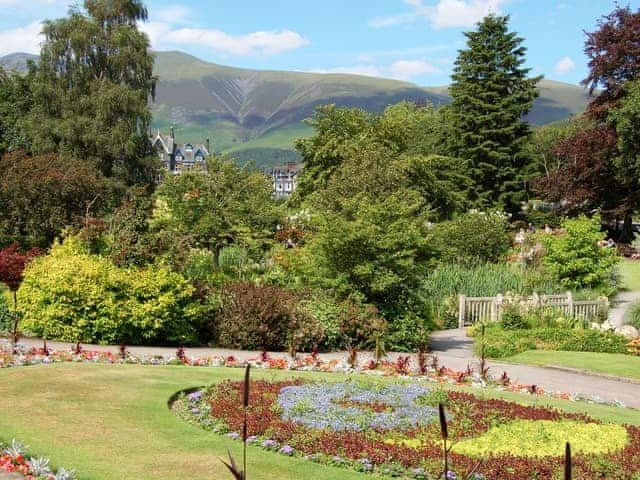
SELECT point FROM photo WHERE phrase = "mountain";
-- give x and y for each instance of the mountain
(257, 114)
(17, 61)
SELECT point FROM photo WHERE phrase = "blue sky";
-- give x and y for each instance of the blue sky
(413, 40)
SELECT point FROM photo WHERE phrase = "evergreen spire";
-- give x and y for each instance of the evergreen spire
(491, 92)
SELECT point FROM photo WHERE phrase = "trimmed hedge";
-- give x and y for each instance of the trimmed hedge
(500, 343)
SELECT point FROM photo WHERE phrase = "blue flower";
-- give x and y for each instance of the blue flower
(319, 406)
(287, 450)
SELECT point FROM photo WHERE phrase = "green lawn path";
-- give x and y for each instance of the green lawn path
(112, 422)
(606, 363)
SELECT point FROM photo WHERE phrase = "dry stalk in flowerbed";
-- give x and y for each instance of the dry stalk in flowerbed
(446, 448)
(241, 474)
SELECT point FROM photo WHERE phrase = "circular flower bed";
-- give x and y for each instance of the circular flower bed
(392, 429)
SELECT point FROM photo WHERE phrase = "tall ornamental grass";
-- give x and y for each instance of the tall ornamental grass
(484, 280)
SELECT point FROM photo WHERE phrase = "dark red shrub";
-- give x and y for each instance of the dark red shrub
(264, 316)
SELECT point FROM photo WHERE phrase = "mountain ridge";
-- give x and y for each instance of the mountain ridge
(245, 111)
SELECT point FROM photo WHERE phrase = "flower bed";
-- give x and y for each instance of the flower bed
(392, 429)
(13, 459)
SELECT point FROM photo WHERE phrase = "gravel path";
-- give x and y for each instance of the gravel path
(620, 304)
(453, 349)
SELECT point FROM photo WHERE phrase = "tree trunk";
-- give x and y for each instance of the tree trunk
(626, 236)
(16, 320)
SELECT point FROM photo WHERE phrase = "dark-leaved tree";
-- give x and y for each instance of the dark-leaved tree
(491, 92)
(597, 167)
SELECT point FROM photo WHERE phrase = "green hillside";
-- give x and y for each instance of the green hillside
(256, 115)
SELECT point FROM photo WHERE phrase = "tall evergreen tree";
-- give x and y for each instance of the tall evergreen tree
(92, 89)
(491, 92)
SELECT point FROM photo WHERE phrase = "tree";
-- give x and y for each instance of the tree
(92, 89)
(12, 265)
(588, 176)
(614, 58)
(333, 141)
(43, 194)
(491, 92)
(230, 206)
(375, 250)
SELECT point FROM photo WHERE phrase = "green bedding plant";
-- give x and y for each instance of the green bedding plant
(529, 438)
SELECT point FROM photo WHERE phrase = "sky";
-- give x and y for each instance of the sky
(411, 40)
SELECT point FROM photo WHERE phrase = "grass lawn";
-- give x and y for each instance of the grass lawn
(608, 363)
(630, 274)
(112, 422)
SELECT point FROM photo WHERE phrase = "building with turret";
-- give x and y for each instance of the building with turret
(180, 157)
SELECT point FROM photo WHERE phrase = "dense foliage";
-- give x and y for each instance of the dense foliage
(475, 237)
(46, 194)
(254, 317)
(74, 296)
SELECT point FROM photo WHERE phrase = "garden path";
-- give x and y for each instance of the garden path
(453, 349)
(621, 304)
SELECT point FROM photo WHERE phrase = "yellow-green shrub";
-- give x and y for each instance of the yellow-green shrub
(71, 295)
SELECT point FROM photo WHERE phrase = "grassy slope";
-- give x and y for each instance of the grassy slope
(630, 274)
(283, 138)
(608, 363)
(112, 422)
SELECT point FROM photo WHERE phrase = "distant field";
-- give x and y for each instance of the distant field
(282, 138)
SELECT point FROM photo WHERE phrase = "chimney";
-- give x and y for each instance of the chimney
(208, 149)
(173, 134)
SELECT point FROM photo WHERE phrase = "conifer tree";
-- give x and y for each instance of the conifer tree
(491, 92)
(92, 89)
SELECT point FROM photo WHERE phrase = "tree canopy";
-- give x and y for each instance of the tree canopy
(92, 89)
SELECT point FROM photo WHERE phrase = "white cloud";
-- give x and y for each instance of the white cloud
(399, 70)
(162, 35)
(444, 14)
(156, 31)
(407, 69)
(564, 66)
(22, 39)
(252, 44)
